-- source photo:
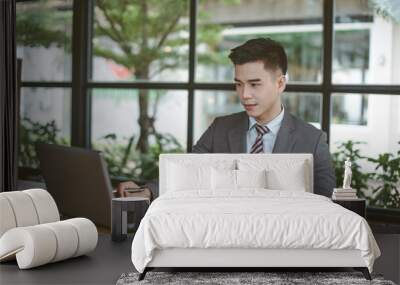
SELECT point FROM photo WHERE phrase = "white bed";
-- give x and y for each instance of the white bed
(247, 210)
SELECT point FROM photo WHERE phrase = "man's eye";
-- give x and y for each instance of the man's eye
(238, 84)
(254, 84)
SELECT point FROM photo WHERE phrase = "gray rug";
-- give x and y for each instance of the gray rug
(228, 278)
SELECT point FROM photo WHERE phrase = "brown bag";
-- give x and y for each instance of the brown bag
(145, 193)
(123, 190)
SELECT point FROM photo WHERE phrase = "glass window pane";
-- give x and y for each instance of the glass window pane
(212, 104)
(306, 106)
(350, 110)
(140, 40)
(366, 42)
(130, 146)
(43, 32)
(45, 117)
(223, 25)
(370, 124)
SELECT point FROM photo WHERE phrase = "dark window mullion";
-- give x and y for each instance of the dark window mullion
(304, 88)
(88, 70)
(328, 18)
(195, 86)
(291, 87)
(138, 85)
(370, 89)
(192, 72)
(79, 119)
(52, 84)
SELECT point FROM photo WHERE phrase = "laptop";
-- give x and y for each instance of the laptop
(78, 180)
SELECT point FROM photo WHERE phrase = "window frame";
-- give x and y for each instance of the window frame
(81, 84)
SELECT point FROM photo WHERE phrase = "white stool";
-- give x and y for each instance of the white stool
(31, 230)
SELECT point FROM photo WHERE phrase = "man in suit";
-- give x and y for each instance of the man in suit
(265, 125)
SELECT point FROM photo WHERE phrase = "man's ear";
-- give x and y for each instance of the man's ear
(281, 83)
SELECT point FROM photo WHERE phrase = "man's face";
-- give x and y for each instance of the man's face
(259, 89)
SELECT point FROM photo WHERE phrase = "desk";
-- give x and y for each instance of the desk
(120, 207)
(355, 205)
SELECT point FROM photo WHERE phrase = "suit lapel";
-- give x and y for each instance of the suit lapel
(238, 134)
(285, 140)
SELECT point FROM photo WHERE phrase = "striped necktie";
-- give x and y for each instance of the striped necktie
(258, 144)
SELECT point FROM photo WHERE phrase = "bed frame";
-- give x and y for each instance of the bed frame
(240, 259)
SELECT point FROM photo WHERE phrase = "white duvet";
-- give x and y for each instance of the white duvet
(253, 218)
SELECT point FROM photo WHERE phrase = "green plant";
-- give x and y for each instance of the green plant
(145, 37)
(124, 160)
(389, 9)
(350, 150)
(117, 155)
(165, 143)
(43, 24)
(150, 37)
(387, 173)
(384, 182)
(30, 133)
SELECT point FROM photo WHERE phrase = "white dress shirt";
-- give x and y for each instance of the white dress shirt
(270, 137)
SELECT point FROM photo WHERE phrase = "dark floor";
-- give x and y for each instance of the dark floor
(102, 266)
(110, 259)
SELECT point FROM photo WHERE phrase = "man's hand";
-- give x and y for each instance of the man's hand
(125, 185)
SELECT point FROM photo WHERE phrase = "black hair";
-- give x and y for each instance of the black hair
(267, 50)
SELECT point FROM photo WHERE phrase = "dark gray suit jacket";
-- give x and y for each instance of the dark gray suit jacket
(227, 134)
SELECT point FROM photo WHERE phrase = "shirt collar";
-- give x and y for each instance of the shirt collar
(273, 126)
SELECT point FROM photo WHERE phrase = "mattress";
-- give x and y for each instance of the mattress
(250, 219)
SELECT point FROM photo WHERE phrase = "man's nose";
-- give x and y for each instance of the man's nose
(246, 94)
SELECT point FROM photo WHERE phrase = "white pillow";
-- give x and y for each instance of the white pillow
(182, 177)
(293, 180)
(282, 174)
(251, 178)
(226, 179)
(223, 179)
